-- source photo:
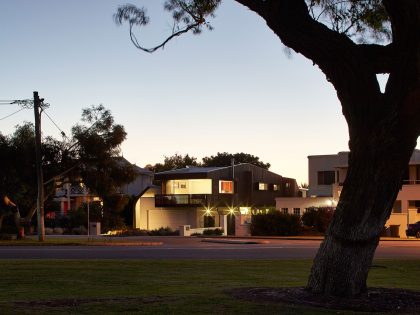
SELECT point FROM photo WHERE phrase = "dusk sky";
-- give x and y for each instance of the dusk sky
(232, 89)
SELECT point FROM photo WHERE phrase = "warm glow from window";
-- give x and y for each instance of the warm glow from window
(262, 186)
(245, 210)
(225, 187)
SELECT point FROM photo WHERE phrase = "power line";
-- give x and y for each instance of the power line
(12, 113)
(61, 131)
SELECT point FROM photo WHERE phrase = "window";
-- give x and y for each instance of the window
(397, 206)
(275, 187)
(225, 187)
(326, 177)
(296, 211)
(262, 186)
(285, 210)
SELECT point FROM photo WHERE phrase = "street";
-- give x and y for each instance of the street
(195, 248)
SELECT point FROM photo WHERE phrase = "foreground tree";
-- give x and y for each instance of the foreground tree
(383, 127)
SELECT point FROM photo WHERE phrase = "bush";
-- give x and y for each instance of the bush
(81, 230)
(132, 232)
(167, 231)
(318, 218)
(275, 223)
(48, 231)
(58, 230)
(213, 232)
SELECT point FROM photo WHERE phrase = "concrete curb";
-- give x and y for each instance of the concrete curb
(233, 241)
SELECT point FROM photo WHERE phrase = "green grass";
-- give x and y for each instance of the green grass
(165, 287)
(73, 241)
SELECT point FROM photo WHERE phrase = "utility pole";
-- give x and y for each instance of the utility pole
(40, 179)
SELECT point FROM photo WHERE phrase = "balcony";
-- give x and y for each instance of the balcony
(71, 191)
(180, 200)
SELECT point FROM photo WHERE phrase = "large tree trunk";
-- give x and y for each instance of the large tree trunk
(377, 163)
(383, 128)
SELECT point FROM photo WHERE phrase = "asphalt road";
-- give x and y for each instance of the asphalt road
(194, 248)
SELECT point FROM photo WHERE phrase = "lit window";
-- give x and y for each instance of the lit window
(285, 210)
(296, 211)
(262, 186)
(225, 187)
(275, 187)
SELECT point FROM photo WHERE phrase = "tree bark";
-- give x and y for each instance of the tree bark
(383, 128)
(376, 167)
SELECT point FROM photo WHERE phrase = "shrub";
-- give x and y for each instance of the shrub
(132, 232)
(48, 231)
(318, 218)
(213, 232)
(167, 231)
(81, 230)
(275, 223)
(58, 230)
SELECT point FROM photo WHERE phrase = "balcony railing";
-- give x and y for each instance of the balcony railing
(180, 200)
(75, 190)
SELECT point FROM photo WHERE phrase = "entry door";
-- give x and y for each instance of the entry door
(230, 224)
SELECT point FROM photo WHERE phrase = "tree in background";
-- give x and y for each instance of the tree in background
(174, 162)
(225, 159)
(91, 155)
(351, 42)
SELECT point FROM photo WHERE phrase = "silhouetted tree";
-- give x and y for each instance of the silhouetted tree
(91, 155)
(174, 162)
(225, 159)
(383, 126)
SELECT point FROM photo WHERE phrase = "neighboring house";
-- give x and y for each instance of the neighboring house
(326, 177)
(199, 196)
(71, 196)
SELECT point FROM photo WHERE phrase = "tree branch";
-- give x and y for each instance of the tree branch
(343, 62)
(380, 58)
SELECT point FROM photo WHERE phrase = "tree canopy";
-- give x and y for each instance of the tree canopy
(91, 155)
(225, 159)
(220, 159)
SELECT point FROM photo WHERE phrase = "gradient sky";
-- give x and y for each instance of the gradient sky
(232, 89)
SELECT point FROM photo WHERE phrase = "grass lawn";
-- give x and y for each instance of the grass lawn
(165, 287)
(75, 241)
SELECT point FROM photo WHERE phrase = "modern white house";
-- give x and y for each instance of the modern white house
(326, 174)
(206, 197)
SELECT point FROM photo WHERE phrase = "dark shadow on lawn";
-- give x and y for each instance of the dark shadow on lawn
(59, 303)
(375, 300)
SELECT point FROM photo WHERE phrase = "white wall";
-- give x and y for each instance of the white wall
(318, 163)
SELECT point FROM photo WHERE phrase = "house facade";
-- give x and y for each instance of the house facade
(327, 174)
(72, 195)
(199, 196)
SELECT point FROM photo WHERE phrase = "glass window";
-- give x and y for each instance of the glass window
(262, 186)
(326, 177)
(397, 206)
(275, 187)
(285, 210)
(296, 211)
(226, 187)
